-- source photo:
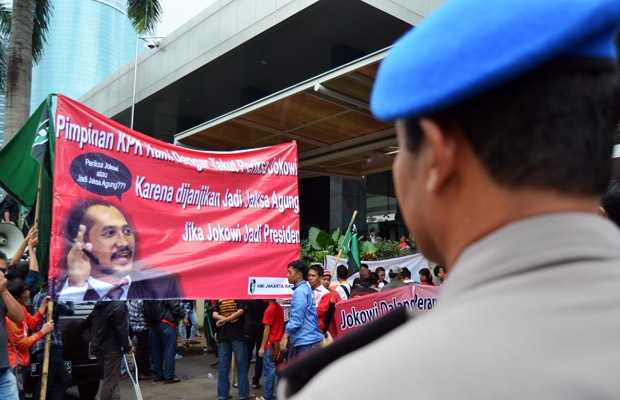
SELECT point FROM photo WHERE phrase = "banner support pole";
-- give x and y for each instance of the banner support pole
(50, 304)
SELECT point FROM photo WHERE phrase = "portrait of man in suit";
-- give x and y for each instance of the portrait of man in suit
(100, 261)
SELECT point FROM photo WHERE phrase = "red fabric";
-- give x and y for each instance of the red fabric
(334, 296)
(428, 283)
(322, 307)
(172, 324)
(223, 209)
(23, 342)
(274, 316)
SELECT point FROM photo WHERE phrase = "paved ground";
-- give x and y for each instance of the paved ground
(193, 369)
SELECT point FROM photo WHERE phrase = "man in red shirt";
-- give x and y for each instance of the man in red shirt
(274, 329)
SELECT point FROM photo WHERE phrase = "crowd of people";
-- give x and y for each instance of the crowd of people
(239, 329)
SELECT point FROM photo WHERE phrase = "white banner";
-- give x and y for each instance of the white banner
(414, 262)
(261, 285)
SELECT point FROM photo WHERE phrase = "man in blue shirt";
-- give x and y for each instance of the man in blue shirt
(302, 327)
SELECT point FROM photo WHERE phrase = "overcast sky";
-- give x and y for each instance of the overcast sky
(177, 12)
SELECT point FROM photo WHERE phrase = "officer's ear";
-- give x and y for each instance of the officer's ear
(442, 145)
(602, 212)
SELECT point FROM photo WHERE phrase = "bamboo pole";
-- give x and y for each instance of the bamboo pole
(50, 304)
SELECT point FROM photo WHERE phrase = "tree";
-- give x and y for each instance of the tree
(28, 26)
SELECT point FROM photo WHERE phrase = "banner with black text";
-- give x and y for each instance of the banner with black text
(134, 217)
(358, 311)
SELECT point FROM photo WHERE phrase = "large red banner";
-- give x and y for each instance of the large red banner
(134, 217)
(358, 311)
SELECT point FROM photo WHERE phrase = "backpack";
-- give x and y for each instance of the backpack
(346, 291)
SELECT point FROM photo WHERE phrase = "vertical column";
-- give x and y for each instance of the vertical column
(346, 196)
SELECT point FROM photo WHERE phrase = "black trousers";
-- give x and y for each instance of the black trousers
(255, 342)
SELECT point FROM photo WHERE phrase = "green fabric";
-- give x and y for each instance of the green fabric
(19, 171)
(351, 249)
(20, 163)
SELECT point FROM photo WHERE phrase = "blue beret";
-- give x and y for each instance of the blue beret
(468, 47)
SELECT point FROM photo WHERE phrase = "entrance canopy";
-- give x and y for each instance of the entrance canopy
(328, 115)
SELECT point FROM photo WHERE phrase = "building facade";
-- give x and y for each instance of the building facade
(88, 40)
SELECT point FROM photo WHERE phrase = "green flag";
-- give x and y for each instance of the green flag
(351, 249)
(19, 171)
(20, 163)
(43, 145)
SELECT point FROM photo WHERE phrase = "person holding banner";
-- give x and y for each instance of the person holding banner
(506, 114)
(10, 308)
(101, 247)
(395, 273)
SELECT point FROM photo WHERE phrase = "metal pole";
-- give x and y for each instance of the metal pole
(135, 76)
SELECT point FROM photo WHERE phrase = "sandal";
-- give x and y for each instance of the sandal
(235, 385)
(256, 386)
(174, 379)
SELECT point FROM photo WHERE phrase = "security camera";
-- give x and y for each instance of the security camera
(151, 44)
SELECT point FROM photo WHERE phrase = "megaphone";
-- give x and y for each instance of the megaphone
(11, 238)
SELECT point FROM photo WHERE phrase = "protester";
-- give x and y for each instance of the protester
(396, 275)
(189, 328)
(28, 269)
(344, 288)
(58, 378)
(33, 233)
(440, 273)
(230, 317)
(381, 272)
(356, 281)
(9, 307)
(425, 277)
(272, 334)
(321, 295)
(10, 210)
(375, 281)
(406, 276)
(140, 330)
(326, 281)
(210, 328)
(100, 250)
(303, 327)
(253, 326)
(109, 327)
(20, 339)
(366, 282)
(610, 202)
(163, 317)
(505, 130)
